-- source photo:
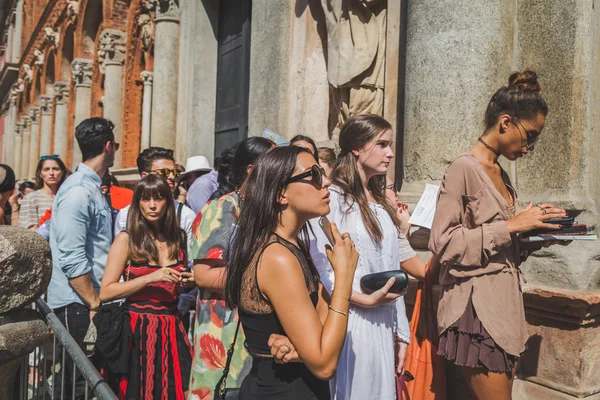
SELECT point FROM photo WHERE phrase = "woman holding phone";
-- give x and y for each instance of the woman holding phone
(360, 207)
(151, 257)
(274, 284)
(475, 235)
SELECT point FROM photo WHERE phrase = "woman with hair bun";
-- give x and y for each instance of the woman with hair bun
(475, 235)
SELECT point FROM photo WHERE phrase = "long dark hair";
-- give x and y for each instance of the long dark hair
(224, 169)
(260, 214)
(248, 151)
(309, 140)
(355, 134)
(141, 243)
(39, 182)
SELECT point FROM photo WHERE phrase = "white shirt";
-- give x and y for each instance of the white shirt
(187, 219)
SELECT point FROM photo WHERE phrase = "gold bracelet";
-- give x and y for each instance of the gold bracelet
(341, 297)
(338, 311)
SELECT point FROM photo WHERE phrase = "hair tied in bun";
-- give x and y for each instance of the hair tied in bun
(526, 80)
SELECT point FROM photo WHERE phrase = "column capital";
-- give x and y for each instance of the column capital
(34, 113)
(112, 48)
(82, 72)
(26, 121)
(18, 128)
(165, 10)
(46, 105)
(61, 92)
(148, 77)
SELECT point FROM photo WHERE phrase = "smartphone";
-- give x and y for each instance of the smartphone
(326, 227)
(560, 221)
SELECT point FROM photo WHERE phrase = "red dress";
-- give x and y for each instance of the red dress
(160, 352)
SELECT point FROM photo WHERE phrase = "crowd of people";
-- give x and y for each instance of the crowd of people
(279, 310)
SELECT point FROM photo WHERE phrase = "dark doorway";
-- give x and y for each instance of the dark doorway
(233, 73)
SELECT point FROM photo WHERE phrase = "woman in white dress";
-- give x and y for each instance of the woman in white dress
(359, 207)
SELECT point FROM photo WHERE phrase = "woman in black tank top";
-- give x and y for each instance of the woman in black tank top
(274, 284)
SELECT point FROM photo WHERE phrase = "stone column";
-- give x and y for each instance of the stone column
(34, 146)
(147, 76)
(112, 55)
(16, 44)
(82, 75)
(18, 149)
(61, 95)
(25, 147)
(9, 133)
(45, 125)
(166, 56)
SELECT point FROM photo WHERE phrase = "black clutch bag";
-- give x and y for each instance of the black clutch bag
(373, 282)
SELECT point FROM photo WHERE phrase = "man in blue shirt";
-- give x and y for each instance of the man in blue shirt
(80, 236)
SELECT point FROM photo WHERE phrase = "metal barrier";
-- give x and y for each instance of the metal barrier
(40, 371)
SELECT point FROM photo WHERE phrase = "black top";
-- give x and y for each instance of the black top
(268, 380)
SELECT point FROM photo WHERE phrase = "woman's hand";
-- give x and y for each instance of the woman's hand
(282, 349)
(402, 351)
(343, 257)
(187, 278)
(164, 275)
(533, 218)
(378, 297)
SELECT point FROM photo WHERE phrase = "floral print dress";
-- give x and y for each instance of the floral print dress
(215, 323)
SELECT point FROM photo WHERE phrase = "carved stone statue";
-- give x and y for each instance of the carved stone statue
(39, 57)
(146, 29)
(163, 8)
(356, 34)
(52, 37)
(20, 85)
(28, 73)
(72, 9)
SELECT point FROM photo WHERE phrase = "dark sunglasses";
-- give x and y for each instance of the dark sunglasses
(165, 172)
(531, 137)
(315, 171)
(49, 156)
(116, 146)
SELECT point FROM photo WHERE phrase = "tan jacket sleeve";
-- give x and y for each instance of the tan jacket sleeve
(450, 239)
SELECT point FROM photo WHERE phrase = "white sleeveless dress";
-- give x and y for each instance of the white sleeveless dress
(366, 367)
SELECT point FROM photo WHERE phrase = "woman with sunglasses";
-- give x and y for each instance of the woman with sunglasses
(50, 173)
(274, 284)
(359, 206)
(475, 235)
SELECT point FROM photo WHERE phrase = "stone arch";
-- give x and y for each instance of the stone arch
(37, 84)
(90, 26)
(67, 52)
(66, 56)
(49, 73)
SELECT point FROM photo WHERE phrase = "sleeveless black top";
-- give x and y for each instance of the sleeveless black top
(268, 380)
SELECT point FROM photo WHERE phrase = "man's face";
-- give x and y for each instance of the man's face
(159, 167)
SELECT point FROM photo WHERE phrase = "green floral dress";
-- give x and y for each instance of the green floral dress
(215, 323)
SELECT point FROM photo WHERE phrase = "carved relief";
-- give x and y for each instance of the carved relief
(82, 72)
(164, 8)
(111, 49)
(61, 92)
(28, 73)
(146, 30)
(39, 57)
(72, 10)
(52, 37)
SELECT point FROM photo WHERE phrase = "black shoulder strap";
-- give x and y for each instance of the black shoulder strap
(222, 384)
(179, 210)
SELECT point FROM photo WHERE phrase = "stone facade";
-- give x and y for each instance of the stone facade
(154, 68)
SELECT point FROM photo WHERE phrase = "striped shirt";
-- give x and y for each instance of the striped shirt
(33, 207)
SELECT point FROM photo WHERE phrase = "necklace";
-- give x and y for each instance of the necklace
(490, 148)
